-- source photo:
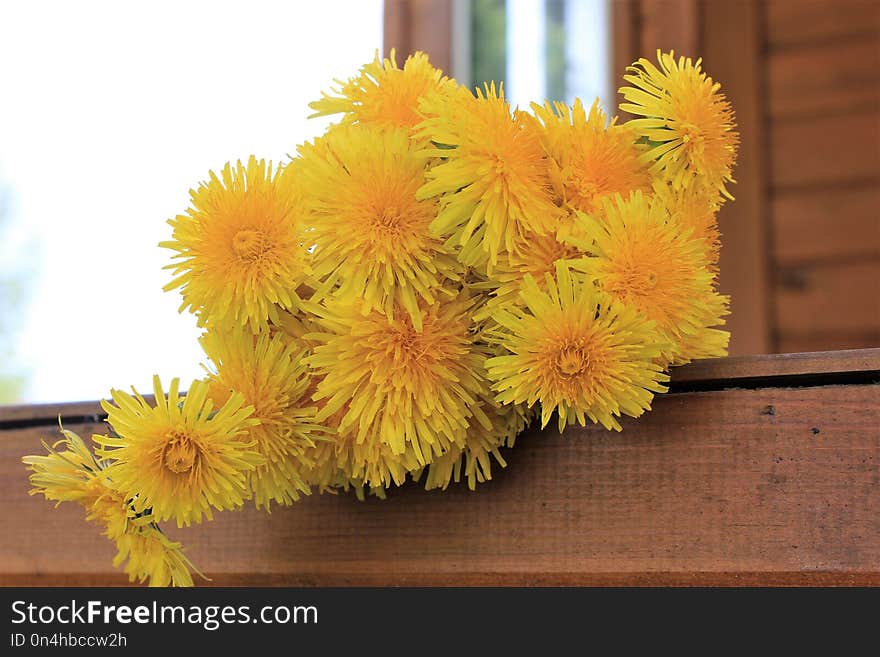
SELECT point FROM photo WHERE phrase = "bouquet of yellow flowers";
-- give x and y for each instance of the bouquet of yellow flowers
(405, 295)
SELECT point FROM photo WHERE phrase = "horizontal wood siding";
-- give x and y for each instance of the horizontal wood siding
(829, 224)
(806, 22)
(832, 298)
(823, 118)
(828, 78)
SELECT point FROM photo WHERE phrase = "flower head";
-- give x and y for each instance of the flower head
(407, 395)
(271, 375)
(65, 475)
(695, 211)
(150, 556)
(687, 122)
(371, 233)
(536, 256)
(576, 351)
(494, 178)
(483, 444)
(182, 457)
(383, 94)
(240, 246)
(591, 160)
(73, 474)
(648, 262)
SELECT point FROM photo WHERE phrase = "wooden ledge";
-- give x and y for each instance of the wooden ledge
(759, 471)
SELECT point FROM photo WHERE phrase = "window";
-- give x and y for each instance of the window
(541, 49)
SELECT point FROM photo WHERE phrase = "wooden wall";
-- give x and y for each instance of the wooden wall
(822, 68)
(801, 255)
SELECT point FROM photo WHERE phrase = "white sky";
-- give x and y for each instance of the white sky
(109, 113)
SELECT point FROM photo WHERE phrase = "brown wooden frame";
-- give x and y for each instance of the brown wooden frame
(756, 470)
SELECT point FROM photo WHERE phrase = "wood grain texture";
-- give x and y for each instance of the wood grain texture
(772, 485)
(794, 22)
(827, 79)
(829, 298)
(669, 25)
(825, 150)
(732, 51)
(426, 25)
(730, 371)
(826, 225)
(824, 341)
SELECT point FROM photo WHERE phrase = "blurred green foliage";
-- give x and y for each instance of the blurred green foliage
(488, 41)
(555, 50)
(489, 44)
(12, 297)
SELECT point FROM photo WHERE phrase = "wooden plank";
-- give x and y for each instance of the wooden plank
(767, 486)
(828, 224)
(24, 412)
(733, 54)
(795, 22)
(825, 150)
(730, 371)
(426, 25)
(829, 298)
(17, 413)
(825, 341)
(727, 370)
(670, 25)
(827, 80)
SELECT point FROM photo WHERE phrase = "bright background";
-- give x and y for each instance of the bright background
(109, 113)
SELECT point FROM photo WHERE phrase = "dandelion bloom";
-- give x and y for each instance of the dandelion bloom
(413, 391)
(534, 255)
(473, 461)
(72, 474)
(653, 265)
(591, 159)
(182, 457)
(576, 351)
(271, 375)
(383, 94)
(696, 211)
(240, 251)
(371, 233)
(687, 122)
(493, 177)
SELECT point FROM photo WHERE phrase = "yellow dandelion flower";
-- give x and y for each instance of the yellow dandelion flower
(650, 263)
(144, 552)
(591, 159)
(150, 556)
(73, 474)
(346, 463)
(371, 234)
(535, 255)
(240, 251)
(181, 457)
(271, 374)
(688, 123)
(343, 462)
(482, 445)
(383, 94)
(696, 211)
(65, 475)
(494, 178)
(411, 391)
(575, 351)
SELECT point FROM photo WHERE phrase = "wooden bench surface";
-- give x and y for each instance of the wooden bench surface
(756, 470)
